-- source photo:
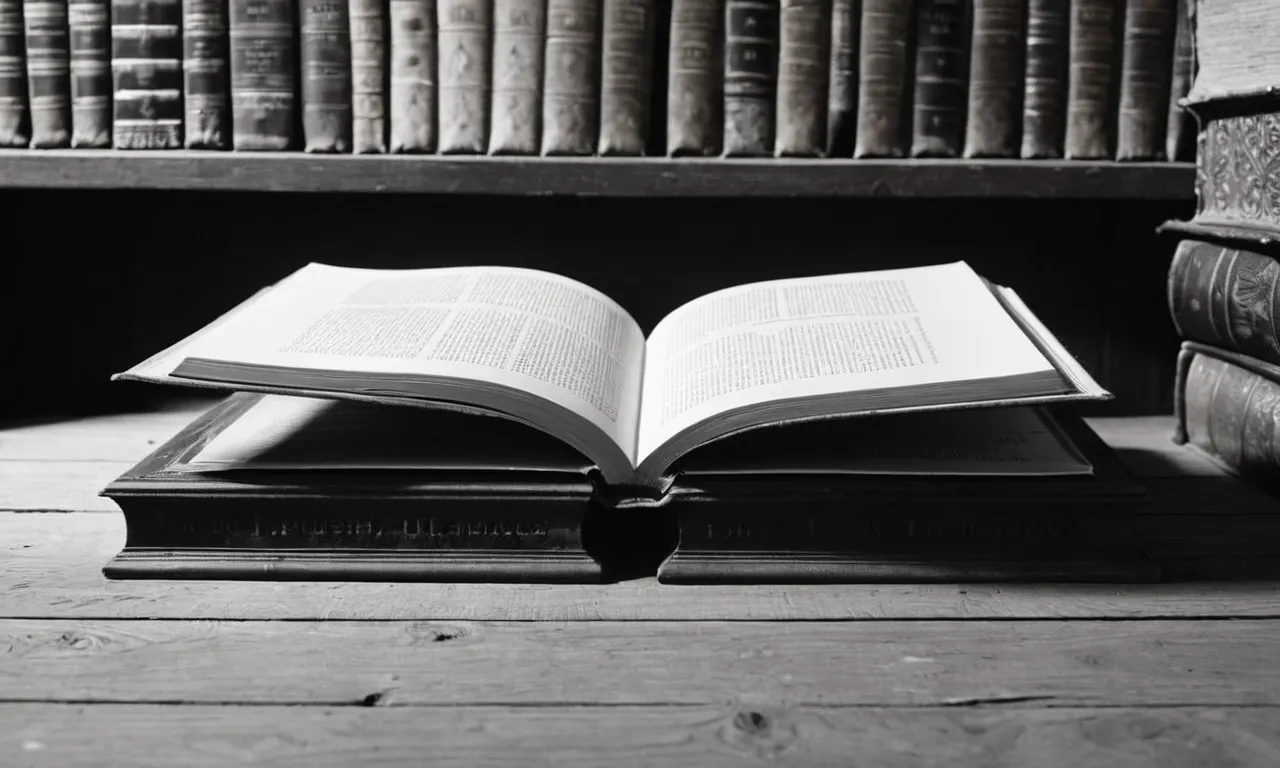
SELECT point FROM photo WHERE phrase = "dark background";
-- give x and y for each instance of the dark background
(126, 273)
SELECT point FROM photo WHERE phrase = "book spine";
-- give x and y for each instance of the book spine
(146, 73)
(326, 75)
(750, 76)
(206, 84)
(626, 76)
(995, 79)
(14, 121)
(570, 99)
(89, 24)
(695, 78)
(882, 78)
(1235, 180)
(1090, 79)
(368, 30)
(48, 72)
(804, 58)
(1233, 413)
(1044, 95)
(842, 78)
(938, 108)
(516, 109)
(1226, 297)
(413, 75)
(465, 28)
(1145, 79)
(263, 71)
(1179, 142)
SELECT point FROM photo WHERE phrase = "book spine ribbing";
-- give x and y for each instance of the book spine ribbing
(413, 75)
(206, 82)
(842, 78)
(1180, 130)
(14, 120)
(750, 76)
(1226, 297)
(1145, 79)
(570, 95)
(995, 79)
(48, 72)
(326, 75)
(626, 76)
(368, 20)
(89, 23)
(938, 108)
(1091, 80)
(263, 73)
(804, 60)
(465, 28)
(1044, 95)
(146, 73)
(1233, 414)
(516, 108)
(695, 78)
(882, 78)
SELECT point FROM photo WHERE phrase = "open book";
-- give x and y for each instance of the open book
(560, 356)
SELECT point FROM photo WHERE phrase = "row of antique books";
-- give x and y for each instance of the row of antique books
(1224, 279)
(1081, 79)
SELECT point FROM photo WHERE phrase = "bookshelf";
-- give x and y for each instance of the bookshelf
(593, 176)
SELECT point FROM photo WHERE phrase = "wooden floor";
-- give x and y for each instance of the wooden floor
(214, 673)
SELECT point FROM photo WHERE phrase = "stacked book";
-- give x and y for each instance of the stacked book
(1224, 281)
(1080, 79)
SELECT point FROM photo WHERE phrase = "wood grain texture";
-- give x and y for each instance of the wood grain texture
(730, 734)
(918, 663)
(617, 177)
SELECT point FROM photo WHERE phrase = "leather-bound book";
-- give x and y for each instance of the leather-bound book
(146, 73)
(48, 72)
(570, 87)
(263, 71)
(326, 75)
(938, 108)
(1091, 80)
(89, 24)
(413, 75)
(750, 77)
(368, 20)
(15, 123)
(995, 79)
(626, 76)
(1180, 132)
(465, 29)
(1226, 296)
(1145, 79)
(804, 59)
(842, 78)
(1044, 92)
(1236, 169)
(882, 78)
(515, 114)
(206, 83)
(695, 78)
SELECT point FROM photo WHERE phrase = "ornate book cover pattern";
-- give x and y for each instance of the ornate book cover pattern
(938, 109)
(1145, 79)
(326, 76)
(516, 110)
(89, 24)
(368, 20)
(1044, 94)
(695, 78)
(1238, 170)
(882, 78)
(48, 72)
(14, 121)
(465, 27)
(146, 73)
(1226, 297)
(263, 68)
(750, 76)
(206, 79)
(842, 77)
(804, 44)
(1233, 414)
(995, 79)
(413, 75)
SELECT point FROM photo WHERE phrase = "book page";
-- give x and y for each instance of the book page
(533, 331)
(802, 337)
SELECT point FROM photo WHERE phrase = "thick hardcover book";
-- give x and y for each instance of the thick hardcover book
(1093, 60)
(1145, 79)
(1180, 132)
(89, 22)
(206, 82)
(995, 78)
(15, 123)
(695, 78)
(263, 71)
(571, 88)
(885, 33)
(750, 76)
(1235, 50)
(1044, 96)
(326, 75)
(804, 41)
(1226, 296)
(48, 72)
(842, 77)
(519, 27)
(146, 72)
(465, 29)
(368, 20)
(413, 75)
(1228, 405)
(938, 109)
(626, 76)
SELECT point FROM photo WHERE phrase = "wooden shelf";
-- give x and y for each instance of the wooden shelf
(611, 177)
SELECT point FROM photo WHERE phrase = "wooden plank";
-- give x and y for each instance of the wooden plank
(614, 177)
(53, 569)
(706, 736)
(889, 663)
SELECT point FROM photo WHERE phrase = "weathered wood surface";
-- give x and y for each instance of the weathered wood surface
(52, 568)
(625, 177)
(730, 734)
(879, 663)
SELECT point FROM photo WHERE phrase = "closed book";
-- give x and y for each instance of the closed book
(942, 76)
(883, 102)
(750, 77)
(695, 78)
(1145, 79)
(995, 79)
